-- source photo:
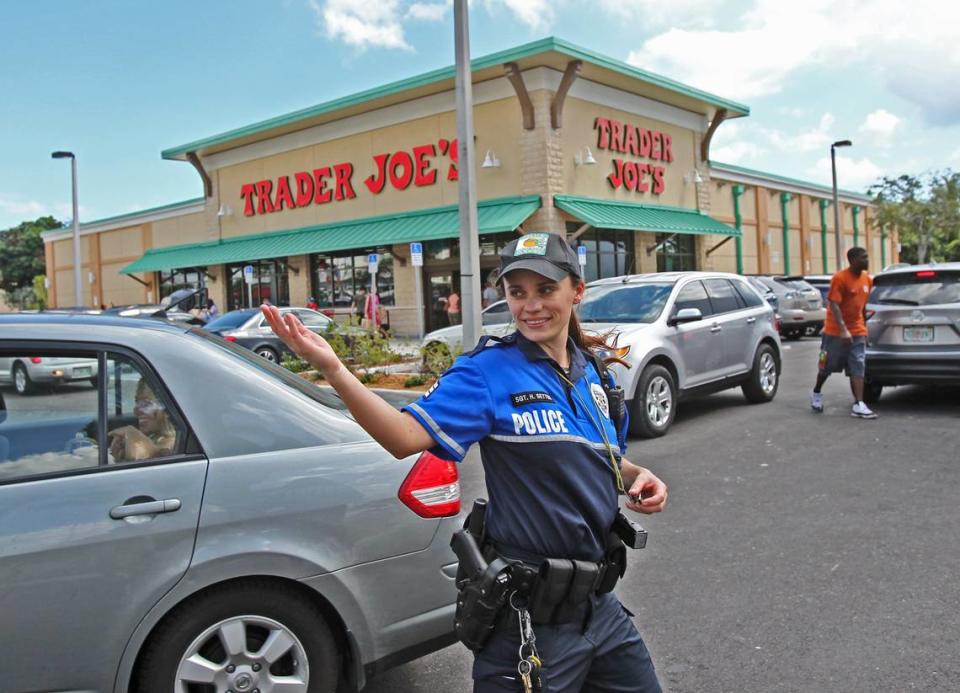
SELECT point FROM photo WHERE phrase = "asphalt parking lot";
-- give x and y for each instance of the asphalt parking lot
(799, 551)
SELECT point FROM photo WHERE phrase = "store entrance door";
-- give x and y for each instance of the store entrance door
(437, 287)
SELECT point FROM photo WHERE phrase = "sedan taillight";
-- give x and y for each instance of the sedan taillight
(36, 359)
(432, 488)
(869, 314)
(230, 338)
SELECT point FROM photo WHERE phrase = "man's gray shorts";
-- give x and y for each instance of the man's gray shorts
(836, 356)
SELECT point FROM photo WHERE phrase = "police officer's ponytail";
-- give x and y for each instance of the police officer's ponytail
(592, 342)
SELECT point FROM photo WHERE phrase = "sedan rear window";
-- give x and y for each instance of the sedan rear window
(624, 302)
(920, 288)
(327, 397)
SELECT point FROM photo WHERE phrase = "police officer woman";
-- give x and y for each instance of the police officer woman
(553, 465)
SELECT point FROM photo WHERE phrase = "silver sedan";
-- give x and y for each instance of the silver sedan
(28, 371)
(204, 520)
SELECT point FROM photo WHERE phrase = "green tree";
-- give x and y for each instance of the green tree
(926, 211)
(21, 254)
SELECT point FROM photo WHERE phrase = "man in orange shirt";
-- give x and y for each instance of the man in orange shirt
(844, 342)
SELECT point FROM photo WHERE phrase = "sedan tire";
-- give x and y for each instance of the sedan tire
(654, 403)
(21, 380)
(764, 377)
(268, 353)
(242, 638)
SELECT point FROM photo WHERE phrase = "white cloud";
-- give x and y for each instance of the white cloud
(880, 126)
(913, 46)
(363, 25)
(22, 208)
(536, 14)
(428, 11)
(852, 174)
(697, 14)
(736, 152)
(805, 141)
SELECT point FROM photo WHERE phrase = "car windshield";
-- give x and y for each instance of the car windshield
(326, 397)
(230, 320)
(624, 302)
(920, 288)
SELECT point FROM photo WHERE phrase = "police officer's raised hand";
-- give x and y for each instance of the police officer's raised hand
(645, 486)
(306, 344)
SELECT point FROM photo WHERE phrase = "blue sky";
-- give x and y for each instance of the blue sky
(118, 81)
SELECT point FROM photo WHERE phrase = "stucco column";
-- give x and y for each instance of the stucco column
(298, 275)
(541, 156)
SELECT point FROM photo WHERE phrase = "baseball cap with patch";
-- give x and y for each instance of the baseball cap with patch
(544, 253)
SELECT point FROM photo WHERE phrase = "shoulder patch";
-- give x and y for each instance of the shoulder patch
(600, 398)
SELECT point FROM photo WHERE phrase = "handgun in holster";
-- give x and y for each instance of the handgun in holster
(484, 588)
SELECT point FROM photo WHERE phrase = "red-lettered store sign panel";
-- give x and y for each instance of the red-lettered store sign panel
(419, 167)
(624, 138)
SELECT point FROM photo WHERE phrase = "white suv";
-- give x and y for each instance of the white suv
(684, 334)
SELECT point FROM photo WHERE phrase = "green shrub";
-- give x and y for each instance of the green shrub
(436, 357)
(372, 350)
(414, 381)
(369, 377)
(294, 363)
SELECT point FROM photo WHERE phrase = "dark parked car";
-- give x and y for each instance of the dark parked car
(248, 328)
(914, 326)
(208, 522)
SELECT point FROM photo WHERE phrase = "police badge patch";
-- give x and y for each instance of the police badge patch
(600, 397)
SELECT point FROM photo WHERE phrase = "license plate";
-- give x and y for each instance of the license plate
(82, 372)
(918, 334)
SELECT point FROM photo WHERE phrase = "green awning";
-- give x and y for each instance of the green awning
(613, 214)
(494, 216)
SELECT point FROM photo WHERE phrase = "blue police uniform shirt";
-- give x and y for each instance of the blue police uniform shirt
(552, 490)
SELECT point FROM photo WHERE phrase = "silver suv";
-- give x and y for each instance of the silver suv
(914, 327)
(799, 304)
(684, 334)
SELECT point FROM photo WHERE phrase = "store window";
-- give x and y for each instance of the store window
(334, 279)
(676, 252)
(269, 282)
(609, 252)
(187, 278)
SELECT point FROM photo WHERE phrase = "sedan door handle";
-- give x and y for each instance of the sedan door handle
(750, 321)
(152, 507)
(715, 329)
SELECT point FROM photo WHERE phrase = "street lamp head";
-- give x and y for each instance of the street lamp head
(841, 143)
(62, 155)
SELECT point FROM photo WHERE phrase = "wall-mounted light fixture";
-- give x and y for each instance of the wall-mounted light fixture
(224, 211)
(490, 160)
(693, 177)
(584, 157)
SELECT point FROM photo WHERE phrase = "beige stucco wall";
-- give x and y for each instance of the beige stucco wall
(497, 125)
(591, 181)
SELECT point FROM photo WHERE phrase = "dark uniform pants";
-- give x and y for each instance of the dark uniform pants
(606, 653)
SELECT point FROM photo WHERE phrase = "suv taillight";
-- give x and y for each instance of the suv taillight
(432, 488)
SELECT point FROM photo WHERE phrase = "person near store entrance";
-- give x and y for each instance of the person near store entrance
(490, 294)
(844, 342)
(372, 313)
(542, 556)
(453, 307)
(359, 305)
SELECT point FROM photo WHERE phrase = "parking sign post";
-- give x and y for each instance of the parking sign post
(416, 259)
(248, 280)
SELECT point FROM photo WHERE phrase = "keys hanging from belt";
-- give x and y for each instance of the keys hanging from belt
(530, 664)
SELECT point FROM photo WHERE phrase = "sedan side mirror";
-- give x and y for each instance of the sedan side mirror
(685, 315)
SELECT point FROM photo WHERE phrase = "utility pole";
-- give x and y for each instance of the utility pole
(469, 235)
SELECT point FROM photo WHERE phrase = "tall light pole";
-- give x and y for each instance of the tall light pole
(836, 200)
(469, 235)
(77, 283)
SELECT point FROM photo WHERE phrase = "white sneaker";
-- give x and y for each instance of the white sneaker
(862, 411)
(816, 401)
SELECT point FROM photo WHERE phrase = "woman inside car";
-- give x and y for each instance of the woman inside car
(153, 436)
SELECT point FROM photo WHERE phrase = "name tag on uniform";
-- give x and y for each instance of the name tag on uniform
(519, 399)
